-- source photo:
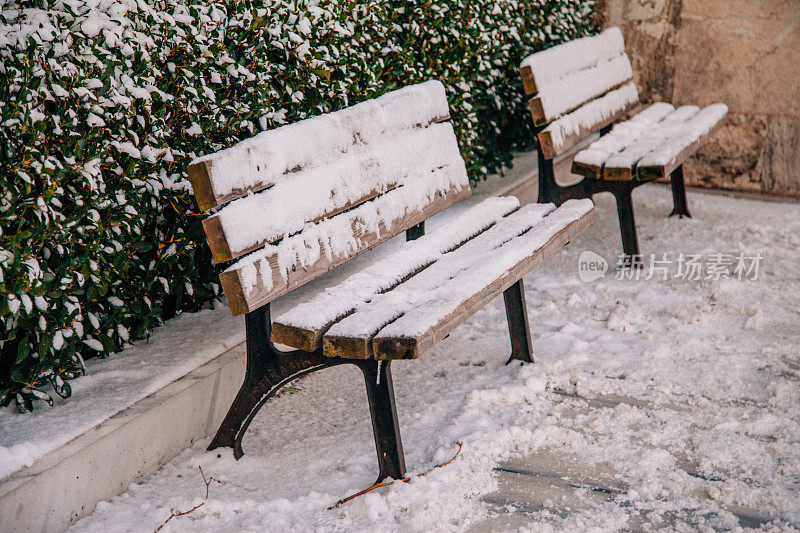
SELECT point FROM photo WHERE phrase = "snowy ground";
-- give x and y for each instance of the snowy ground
(653, 404)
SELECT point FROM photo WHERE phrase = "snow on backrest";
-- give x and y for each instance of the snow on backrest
(336, 186)
(567, 76)
(259, 162)
(577, 88)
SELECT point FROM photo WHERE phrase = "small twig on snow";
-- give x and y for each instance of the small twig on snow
(196, 507)
(378, 485)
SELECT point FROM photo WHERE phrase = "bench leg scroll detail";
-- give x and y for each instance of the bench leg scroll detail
(269, 369)
(518, 328)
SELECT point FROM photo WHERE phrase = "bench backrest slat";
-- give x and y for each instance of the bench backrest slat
(577, 88)
(338, 185)
(318, 192)
(258, 163)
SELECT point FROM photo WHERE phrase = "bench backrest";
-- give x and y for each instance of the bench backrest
(577, 88)
(301, 199)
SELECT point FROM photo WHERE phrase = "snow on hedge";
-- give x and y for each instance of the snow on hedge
(103, 104)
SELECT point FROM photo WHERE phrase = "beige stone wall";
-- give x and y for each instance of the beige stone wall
(745, 53)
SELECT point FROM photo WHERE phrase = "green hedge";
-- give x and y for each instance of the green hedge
(102, 109)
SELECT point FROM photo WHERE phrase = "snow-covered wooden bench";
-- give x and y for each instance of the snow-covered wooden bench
(585, 86)
(294, 202)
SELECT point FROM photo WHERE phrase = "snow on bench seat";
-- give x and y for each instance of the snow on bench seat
(577, 88)
(307, 197)
(403, 311)
(650, 145)
(303, 326)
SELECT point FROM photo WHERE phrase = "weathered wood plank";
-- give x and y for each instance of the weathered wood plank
(221, 252)
(304, 325)
(201, 185)
(564, 133)
(296, 336)
(347, 347)
(241, 301)
(651, 171)
(537, 111)
(257, 163)
(409, 347)
(586, 170)
(528, 80)
(215, 237)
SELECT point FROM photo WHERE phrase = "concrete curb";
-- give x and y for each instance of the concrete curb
(67, 483)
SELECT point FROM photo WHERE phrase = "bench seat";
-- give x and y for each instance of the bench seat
(399, 307)
(651, 144)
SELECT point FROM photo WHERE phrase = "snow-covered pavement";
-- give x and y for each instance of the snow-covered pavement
(654, 403)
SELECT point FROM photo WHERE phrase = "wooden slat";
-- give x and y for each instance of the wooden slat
(537, 111)
(207, 197)
(215, 237)
(413, 346)
(528, 80)
(249, 223)
(560, 96)
(601, 116)
(630, 141)
(587, 171)
(252, 165)
(648, 172)
(241, 301)
(292, 328)
(622, 166)
(297, 337)
(540, 116)
(347, 347)
(201, 185)
(221, 252)
(579, 54)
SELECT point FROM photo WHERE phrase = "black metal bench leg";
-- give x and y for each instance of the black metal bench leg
(268, 369)
(518, 329)
(548, 188)
(380, 393)
(681, 209)
(627, 226)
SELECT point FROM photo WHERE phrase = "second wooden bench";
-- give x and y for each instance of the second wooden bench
(583, 87)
